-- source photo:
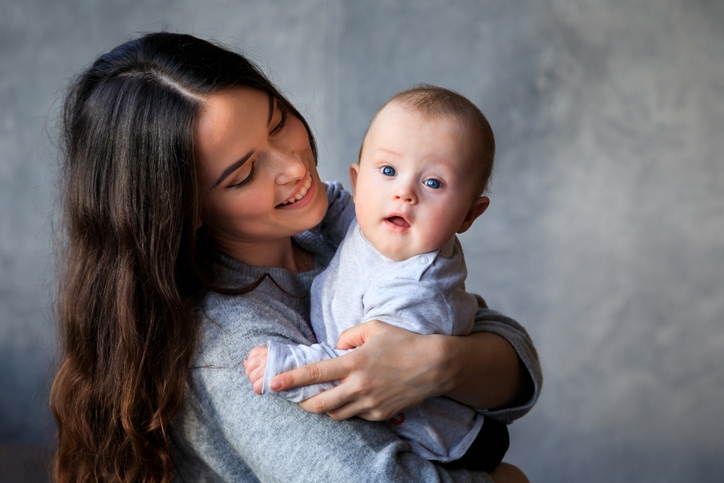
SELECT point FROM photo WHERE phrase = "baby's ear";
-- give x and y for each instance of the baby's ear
(353, 170)
(476, 209)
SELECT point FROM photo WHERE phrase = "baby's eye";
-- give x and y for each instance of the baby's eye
(388, 170)
(432, 183)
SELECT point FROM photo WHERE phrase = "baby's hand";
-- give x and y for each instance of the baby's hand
(255, 365)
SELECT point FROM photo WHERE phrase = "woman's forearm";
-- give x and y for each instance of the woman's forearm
(393, 369)
(485, 372)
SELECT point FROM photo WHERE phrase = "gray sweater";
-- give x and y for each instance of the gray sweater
(225, 432)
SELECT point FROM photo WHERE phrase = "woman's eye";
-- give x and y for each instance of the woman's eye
(246, 180)
(433, 183)
(388, 170)
(282, 121)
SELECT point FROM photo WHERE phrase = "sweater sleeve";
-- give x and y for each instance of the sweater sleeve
(487, 320)
(225, 432)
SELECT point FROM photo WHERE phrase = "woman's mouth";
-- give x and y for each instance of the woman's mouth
(301, 194)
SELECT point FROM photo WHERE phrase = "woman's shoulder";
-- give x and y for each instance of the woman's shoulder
(231, 325)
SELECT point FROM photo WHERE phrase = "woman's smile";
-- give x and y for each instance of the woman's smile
(297, 199)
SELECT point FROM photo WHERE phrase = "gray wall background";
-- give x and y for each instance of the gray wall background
(605, 236)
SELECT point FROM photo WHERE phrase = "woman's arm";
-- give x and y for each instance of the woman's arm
(496, 369)
(486, 372)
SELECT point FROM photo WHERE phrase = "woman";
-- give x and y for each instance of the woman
(190, 186)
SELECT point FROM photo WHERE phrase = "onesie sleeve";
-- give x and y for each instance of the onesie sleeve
(421, 307)
(425, 294)
(285, 357)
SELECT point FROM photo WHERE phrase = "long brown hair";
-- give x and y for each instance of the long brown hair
(133, 266)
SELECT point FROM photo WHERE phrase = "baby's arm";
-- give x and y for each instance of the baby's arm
(421, 307)
(263, 363)
(425, 294)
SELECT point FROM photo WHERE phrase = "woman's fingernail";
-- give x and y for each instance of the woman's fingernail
(275, 385)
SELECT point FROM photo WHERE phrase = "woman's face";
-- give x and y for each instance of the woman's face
(258, 180)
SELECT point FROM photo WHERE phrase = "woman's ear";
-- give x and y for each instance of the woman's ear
(353, 170)
(477, 208)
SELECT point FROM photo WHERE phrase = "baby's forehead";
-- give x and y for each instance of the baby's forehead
(398, 116)
(395, 111)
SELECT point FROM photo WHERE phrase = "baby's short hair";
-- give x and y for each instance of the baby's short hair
(430, 100)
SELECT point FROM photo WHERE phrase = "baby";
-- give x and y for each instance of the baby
(423, 167)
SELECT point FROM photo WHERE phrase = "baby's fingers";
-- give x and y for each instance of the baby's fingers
(250, 365)
(258, 385)
(256, 375)
(258, 352)
(255, 364)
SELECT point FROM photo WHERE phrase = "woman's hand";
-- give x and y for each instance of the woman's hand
(391, 370)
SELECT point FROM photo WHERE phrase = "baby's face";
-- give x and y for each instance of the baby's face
(416, 182)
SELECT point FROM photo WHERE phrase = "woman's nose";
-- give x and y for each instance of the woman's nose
(290, 167)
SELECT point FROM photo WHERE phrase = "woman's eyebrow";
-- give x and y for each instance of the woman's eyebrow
(232, 168)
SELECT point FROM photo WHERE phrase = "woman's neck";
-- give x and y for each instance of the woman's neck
(281, 253)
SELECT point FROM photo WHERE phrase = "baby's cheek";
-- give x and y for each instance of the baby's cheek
(364, 216)
(439, 229)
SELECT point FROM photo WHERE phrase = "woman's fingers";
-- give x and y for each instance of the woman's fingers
(336, 368)
(355, 336)
(347, 400)
(343, 402)
(323, 371)
(326, 402)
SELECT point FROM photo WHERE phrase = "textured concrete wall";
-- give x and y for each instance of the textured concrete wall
(605, 236)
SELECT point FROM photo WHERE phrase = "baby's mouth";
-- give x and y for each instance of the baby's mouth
(302, 193)
(398, 221)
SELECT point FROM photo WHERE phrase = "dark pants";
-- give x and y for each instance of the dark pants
(487, 450)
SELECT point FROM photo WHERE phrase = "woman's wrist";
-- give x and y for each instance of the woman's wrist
(448, 359)
(484, 371)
